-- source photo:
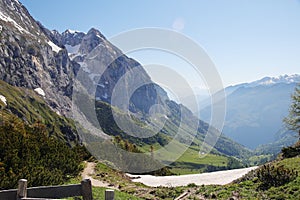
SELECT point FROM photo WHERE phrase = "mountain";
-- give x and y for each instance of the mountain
(102, 67)
(255, 110)
(31, 59)
(83, 73)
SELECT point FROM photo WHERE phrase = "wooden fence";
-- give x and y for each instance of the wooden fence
(52, 192)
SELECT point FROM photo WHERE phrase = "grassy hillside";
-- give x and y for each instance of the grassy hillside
(31, 108)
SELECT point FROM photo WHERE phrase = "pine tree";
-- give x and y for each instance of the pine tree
(292, 121)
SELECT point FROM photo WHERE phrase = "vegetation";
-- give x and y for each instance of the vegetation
(292, 151)
(26, 105)
(36, 143)
(293, 119)
(274, 176)
(27, 152)
(127, 187)
(191, 163)
(276, 180)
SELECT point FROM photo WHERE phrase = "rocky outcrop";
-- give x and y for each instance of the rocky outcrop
(29, 58)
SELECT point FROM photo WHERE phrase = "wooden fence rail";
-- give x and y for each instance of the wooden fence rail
(52, 192)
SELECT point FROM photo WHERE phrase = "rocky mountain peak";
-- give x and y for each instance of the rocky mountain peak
(91, 40)
(72, 38)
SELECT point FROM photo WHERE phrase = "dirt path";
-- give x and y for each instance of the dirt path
(88, 172)
(212, 178)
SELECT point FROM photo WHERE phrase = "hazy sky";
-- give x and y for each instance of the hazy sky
(246, 39)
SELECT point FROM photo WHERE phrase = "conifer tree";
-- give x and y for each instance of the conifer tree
(292, 121)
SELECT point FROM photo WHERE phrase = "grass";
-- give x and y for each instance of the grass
(114, 176)
(248, 189)
(256, 160)
(190, 162)
(128, 189)
(99, 193)
(192, 155)
(30, 107)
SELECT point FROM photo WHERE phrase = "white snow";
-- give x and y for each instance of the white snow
(54, 47)
(72, 31)
(211, 178)
(10, 20)
(72, 49)
(294, 78)
(101, 85)
(40, 91)
(105, 96)
(3, 99)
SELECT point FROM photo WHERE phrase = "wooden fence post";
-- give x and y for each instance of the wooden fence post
(22, 189)
(109, 194)
(86, 187)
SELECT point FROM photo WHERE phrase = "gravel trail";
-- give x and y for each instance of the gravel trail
(88, 172)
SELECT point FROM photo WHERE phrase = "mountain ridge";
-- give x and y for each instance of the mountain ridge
(257, 108)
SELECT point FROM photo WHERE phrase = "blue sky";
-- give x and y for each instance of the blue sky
(246, 39)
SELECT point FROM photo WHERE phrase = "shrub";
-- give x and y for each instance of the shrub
(289, 152)
(274, 176)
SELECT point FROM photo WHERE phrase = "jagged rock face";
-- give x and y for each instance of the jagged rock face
(90, 41)
(73, 39)
(105, 64)
(28, 57)
(68, 37)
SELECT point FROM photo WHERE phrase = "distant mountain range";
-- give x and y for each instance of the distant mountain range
(255, 110)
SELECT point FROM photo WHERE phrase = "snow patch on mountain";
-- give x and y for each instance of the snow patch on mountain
(72, 31)
(3, 99)
(287, 79)
(267, 81)
(40, 91)
(54, 47)
(10, 20)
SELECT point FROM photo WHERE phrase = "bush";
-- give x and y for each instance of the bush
(289, 152)
(27, 152)
(274, 176)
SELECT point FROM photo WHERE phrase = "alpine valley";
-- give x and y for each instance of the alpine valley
(37, 60)
(56, 97)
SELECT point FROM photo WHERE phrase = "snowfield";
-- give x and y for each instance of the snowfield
(54, 47)
(40, 91)
(3, 99)
(211, 178)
